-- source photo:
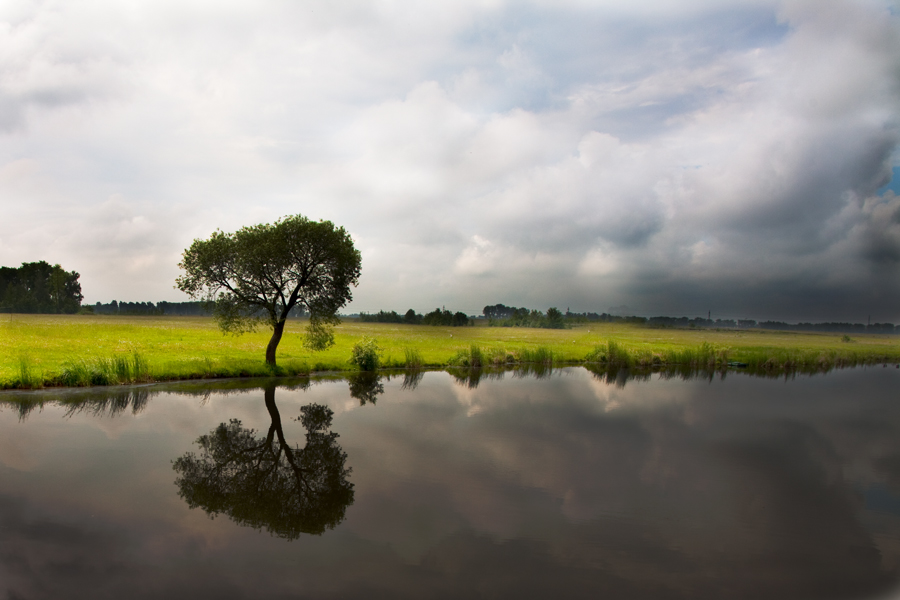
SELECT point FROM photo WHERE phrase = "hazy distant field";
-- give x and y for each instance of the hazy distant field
(181, 347)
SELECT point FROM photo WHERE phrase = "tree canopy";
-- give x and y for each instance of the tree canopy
(260, 273)
(39, 287)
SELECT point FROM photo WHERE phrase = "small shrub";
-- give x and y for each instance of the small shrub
(366, 354)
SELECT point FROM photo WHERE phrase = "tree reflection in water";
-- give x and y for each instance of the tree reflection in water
(365, 386)
(263, 482)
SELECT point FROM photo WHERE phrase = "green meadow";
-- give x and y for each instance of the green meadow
(75, 350)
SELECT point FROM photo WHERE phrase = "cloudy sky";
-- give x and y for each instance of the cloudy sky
(672, 157)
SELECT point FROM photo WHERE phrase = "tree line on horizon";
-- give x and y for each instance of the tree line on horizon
(195, 308)
(41, 288)
(500, 315)
(436, 317)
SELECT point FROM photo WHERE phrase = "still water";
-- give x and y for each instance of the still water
(563, 485)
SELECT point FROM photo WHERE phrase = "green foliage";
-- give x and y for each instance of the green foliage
(319, 334)
(366, 354)
(555, 319)
(262, 272)
(39, 287)
(410, 318)
(503, 316)
(446, 318)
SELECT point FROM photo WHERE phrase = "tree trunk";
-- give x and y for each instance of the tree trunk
(273, 343)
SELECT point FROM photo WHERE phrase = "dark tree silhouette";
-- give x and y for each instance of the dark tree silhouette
(39, 287)
(263, 482)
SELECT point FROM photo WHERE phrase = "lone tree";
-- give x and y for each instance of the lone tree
(259, 273)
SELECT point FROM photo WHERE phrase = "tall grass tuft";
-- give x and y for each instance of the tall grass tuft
(541, 355)
(27, 376)
(140, 369)
(105, 371)
(498, 357)
(598, 354)
(617, 356)
(413, 358)
(473, 357)
(476, 356)
(703, 356)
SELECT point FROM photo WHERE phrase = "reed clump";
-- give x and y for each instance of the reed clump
(703, 356)
(612, 354)
(105, 371)
(616, 355)
(471, 357)
(28, 377)
(413, 358)
(542, 355)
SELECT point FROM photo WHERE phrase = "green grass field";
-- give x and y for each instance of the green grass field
(42, 350)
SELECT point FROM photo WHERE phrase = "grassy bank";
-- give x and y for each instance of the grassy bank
(42, 350)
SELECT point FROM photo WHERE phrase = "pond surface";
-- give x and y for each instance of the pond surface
(570, 485)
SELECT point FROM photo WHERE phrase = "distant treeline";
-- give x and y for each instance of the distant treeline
(663, 322)
(181, 309)
(436, 317)
(500, 315)
(835, 327)
(149, 308)
(39, 287)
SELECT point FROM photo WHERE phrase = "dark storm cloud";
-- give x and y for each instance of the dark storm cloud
(880, 230)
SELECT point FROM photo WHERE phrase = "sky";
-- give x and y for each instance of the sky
(685, 158)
